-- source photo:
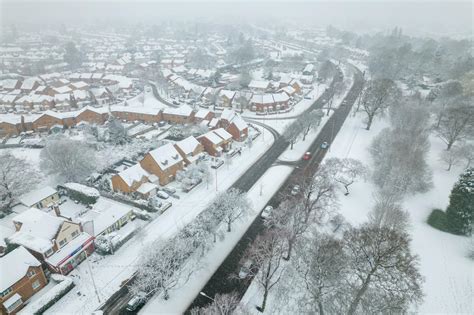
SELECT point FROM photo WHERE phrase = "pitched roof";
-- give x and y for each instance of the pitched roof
(222, 133)
(188, 145)
(14, 266)
(35, 196)
(166, 156)
(132, 174)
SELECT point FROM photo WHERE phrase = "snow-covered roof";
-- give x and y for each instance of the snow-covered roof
(227, 93)
(213, 137)
(280, 97)
(146, 188)
(239, 123)
(86, 190)
(166, 156)
(188, 145)
(202, 113)
(183, 110)
(62, 89)
(35, 196)
(214, 122)
(132, 174)
(262, 99)
(257, 84)
(14, 266)
(309, 68)
(223, 134)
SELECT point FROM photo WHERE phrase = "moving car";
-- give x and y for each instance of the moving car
(324, 145)
(245, 269)
(136, 302)
(266, 212)
(307, 156)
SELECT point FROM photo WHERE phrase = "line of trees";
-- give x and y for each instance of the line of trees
(301, 127)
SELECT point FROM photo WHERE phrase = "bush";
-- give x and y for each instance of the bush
(438, 220)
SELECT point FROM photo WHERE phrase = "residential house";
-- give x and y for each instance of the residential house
(226, 97)
(181, 115)
(163, 162)
(58, 243)
(216, 141)
(130, 179)
(234, 124)
(259, 85)
(203, 114)
(190, 149)
(40, 198)
(21, 276)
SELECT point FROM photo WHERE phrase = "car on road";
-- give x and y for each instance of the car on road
(162, 194)
(295, 190)
(324, 145)
(307, 97)
(266, 212)
(245, 269)
(136, 302)
(344, 103)
(307, 156)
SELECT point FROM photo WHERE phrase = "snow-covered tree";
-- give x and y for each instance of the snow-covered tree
(231, 205)
(117, 134)
(387, 212)
(289, 220)
(451, 157)
(71, 160)
(309, 121)
(222, 304)
(16, 178)
(377, 96)
(266, 255)
(466, 152)
(384, 275)
(293, 132)
(346, 171)
(457, 123)
(460, 211)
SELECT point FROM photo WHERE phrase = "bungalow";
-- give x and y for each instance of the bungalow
(216, 141)
(163, 162)
(129, 180)
(21, 277)
(40, 198)
(190, 149)
(58, 243)
(47, 120)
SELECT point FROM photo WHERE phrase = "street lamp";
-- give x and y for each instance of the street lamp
(204, 294)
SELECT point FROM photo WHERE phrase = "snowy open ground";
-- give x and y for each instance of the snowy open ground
(448, 273)
(110, 271)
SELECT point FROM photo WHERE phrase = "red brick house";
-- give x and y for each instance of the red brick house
(216, 141)
(163, 162)
(190, 149)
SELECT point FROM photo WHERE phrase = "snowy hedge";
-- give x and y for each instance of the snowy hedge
(65, 284)
(81, 193)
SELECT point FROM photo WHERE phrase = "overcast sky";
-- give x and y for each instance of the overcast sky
(415, 17)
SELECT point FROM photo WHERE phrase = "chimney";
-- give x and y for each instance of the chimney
(56, 210)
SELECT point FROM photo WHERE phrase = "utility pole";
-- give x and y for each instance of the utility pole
(92, 276)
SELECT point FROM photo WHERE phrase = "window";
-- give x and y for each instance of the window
(74, 234)
(62, 242)
(35, 285)
(49, 252)
(31, 273)
(6, 292)
(12, 307)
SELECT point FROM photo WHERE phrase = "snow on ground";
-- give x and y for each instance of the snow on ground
(448, 273)
(110, 271)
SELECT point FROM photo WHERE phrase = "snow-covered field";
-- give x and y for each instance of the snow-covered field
(110, 271)
(448, 273)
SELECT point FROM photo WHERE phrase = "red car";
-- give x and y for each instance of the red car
(307, 156)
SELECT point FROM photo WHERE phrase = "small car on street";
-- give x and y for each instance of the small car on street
(324, 145)
(266, 212)
(307, 156)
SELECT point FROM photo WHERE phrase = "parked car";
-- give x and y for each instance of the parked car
(324, 145)
(162, 123)
(136, 302)
(266, 212)
(217, 163)
(307, 156)
(245, 269)
(307, 97)
(295, 190)
(169, 190)
(162, 194)
(164, 206)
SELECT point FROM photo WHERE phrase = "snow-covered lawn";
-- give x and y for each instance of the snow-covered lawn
(448, 272)
(110, 271)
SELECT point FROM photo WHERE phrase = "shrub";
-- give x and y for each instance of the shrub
(438, 220)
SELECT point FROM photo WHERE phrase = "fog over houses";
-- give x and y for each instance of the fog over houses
(236, 157)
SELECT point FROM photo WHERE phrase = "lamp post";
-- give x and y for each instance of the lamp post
(205, 295)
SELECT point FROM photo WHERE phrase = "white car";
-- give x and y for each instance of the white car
(245, 269)
(266, 212)
(324, 145)
(295, 190)
(162, 194)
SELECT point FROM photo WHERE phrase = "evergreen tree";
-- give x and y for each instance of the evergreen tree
(461, 204)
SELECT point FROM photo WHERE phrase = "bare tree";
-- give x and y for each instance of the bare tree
(292, 133)
(377, 96)
(289, 220)
(457, 123)
(222, 304)
(346, 171)
(230, 206)
(266, 256)
(16, 178)
(323, 266)
(310, 121)
(467, 153)
(387, 211)
(71, 160)
(384, 273)
(451, 157)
